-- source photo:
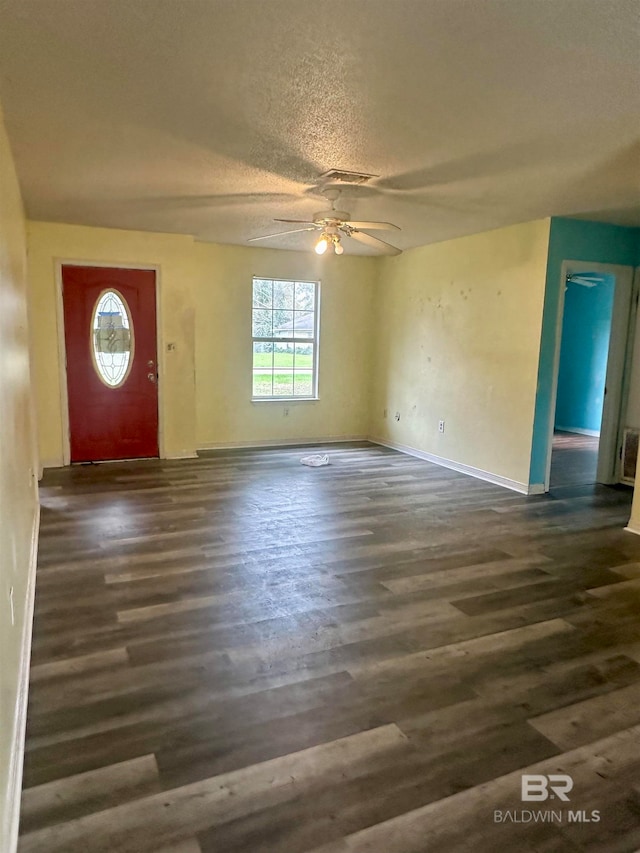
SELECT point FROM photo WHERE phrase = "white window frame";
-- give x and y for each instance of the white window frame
(315, 340)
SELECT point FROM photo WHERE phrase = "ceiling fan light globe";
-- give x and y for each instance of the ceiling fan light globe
(321, 246)
(339, 248)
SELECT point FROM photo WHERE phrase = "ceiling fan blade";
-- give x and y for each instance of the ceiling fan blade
(374, 242)
(584, 282)
(297, 221)
(280, 234)
(221, 200)
(373, 226)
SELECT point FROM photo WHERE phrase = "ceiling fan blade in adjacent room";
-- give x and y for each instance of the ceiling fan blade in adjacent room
(584, 282)
(280, 234)
(373, 226)
(374, 242)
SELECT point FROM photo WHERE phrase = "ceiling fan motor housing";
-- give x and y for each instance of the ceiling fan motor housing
(331, 217)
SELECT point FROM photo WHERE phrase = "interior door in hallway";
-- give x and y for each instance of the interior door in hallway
(110, 340)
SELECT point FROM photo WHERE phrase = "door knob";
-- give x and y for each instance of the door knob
(151, 377)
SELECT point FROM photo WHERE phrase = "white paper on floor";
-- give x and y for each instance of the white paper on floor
(315, 461)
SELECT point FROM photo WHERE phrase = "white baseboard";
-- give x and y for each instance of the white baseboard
(52, 463)
(183, 454)
(535, 489)
(478, 473)
(633, 528)
(16, 760)
(594, 433)
(281, 442)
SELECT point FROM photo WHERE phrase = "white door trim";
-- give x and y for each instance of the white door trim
(615, 381)
(62, 349)
(628, 368)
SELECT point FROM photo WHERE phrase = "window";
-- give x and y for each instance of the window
(112, 338)
(285, 339)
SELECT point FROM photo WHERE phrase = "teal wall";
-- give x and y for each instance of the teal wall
(575, 240)
(586, 328)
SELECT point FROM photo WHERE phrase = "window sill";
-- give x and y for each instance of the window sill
(285, 399)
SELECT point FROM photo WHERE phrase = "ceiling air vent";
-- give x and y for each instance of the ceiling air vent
(340, 176)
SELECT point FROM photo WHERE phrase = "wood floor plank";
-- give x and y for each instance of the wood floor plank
(591, 719)
(465, 821)
(416, 662)
(78, 664)
(144, 825)
(73, 796)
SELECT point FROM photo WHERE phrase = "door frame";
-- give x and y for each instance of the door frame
(628, 367)
(618, 364)
(62, 348)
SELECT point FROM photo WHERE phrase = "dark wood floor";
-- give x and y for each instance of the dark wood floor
(240, 654)
(574, 459)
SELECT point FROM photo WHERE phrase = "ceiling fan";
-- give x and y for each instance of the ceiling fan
(587, 279)
(333, 225)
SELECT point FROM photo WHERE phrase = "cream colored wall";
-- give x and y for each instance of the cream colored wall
(174, 257)
(225, 413)
(458, 331)
(18, 495)
(205, 310)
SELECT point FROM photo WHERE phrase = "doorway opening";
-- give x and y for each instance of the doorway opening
(582, 373)
(592, 349)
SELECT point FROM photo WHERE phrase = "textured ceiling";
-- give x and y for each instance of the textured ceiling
(212, 117)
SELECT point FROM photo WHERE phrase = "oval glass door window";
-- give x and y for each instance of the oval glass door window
(112, 338)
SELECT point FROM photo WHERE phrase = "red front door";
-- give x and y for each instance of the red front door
(110, 336)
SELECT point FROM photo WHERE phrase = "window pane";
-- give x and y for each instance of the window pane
(283, 294)
(262, 293)
(303, 370)
(262, 370)
(262, 323)
(283, 356)
(282, 324)
(282, 383)
(283, 370)
(305, 296)
(303, 324)
(112, 339)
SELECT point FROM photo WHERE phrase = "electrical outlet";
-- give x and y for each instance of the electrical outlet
(285, 413)
(440, 426)
(397, 416)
